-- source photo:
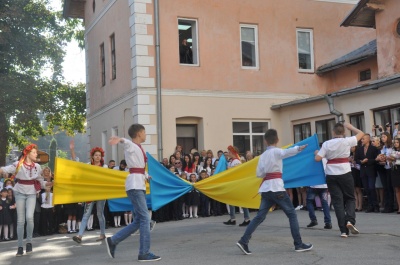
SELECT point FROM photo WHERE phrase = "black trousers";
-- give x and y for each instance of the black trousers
(47, 221)
(341, 188)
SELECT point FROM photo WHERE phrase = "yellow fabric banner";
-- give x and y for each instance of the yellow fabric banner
(80, 182)
(237, 186)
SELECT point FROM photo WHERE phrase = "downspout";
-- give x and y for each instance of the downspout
(158, 81)
(332, 110)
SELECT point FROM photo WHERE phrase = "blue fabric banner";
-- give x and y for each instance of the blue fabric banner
(222, 165)
(124, 204)
(164, 185)
(302, 170)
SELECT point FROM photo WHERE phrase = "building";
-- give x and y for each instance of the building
(247, 66)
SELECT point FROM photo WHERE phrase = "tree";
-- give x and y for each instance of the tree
(53, 153)
(32, 38)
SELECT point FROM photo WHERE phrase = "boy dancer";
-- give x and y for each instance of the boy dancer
(135, 187)
(273, 192)
(338, 175)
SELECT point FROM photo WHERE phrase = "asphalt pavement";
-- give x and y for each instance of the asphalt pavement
(207, 241)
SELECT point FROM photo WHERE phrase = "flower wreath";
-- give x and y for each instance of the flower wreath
(97, 149)
(25, 152)
(233, 151)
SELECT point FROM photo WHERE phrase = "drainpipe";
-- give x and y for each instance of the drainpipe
(332, 110)
(158, 80)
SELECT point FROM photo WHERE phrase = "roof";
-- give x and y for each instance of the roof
(358, 55)
(363, 14)
(74, 8)
(373, 85)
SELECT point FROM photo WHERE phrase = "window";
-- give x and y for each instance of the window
(249, 136)
(324, 129)
(188, 42)
(301, 131)
(113, 62)
(249, 46)
(186, 136)
(358, 121)
(102, 65)
(365, 75)
(305, 50)
(387, 115)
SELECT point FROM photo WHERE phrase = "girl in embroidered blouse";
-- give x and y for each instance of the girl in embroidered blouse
(30, 181)
(96, 159)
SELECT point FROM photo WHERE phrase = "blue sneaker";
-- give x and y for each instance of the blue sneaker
(110, 247)
(244, 248)
(303, 247)
(148, 257)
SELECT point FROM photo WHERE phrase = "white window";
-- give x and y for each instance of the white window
(249, 136)
(188, 42)
(249, 46)
(305, 50)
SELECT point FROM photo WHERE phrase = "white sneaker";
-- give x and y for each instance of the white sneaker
(298, 207)
(352, 228)
(191, 217)
(344, 235)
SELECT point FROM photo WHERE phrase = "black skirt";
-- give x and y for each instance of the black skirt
(396, 176)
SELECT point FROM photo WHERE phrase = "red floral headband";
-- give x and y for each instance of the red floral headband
(233, 151)
(97, 149)
(29, 148)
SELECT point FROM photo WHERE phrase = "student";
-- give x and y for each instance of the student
(338, 175)
(234, 161)
(30, 182)
(272, 191)
(193, 198)
(47, 216)
(96, 155)
(135, 186)
(5, 214)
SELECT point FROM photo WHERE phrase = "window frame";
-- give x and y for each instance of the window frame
(250, 133)
(196, 52)
(255, 27)
(113, 57)
(301, 131)
(391, 119)
(357, 124)
(311, 31)
(365, 71)
(102, 65)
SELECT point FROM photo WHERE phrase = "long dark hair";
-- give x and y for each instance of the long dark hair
(189, 164)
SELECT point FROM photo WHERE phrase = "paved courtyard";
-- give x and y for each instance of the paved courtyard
(208, 241)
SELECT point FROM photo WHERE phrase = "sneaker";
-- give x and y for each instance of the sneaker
(196, 216)
(328, 226)
(352, 228)
(110, 247)
(245, 223)
(313, 223)
(190, 217)
(148, 257)
(298, 207)
(244, 248)
(344, 235)
(20, 252)
(230, 222)
(152, 225)
(28, 248)
(303, 247)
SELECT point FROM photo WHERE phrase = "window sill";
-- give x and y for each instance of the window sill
(190, 65)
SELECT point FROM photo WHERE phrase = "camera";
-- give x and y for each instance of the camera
(376, 126)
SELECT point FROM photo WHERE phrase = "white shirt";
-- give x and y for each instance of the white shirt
(271, 161)
(387, 152)
(234, 163)
(337, 148)
(47, 203)
(25, 174)
(134, 159)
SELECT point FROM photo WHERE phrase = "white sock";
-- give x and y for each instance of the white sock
(195, 210)
(115, 221)
(90, 222)
(190, 210)
(79, 225)
(69, 225)
(74, 225)
(11, 230)
(126, 218)
(129, 218)
(119, 220)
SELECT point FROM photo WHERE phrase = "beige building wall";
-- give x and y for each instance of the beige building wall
(388, 39)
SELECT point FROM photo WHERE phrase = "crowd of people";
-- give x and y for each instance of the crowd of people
(375, 170)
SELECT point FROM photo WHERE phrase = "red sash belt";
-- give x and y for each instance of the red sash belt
(272, 175)
(137, 170)
(34, 182)
(338, 161)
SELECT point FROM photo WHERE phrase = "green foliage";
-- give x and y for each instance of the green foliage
(52, 154)
(32, 38)
(62, 154)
